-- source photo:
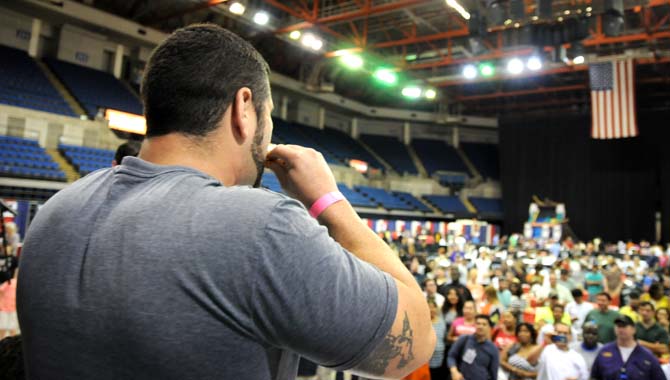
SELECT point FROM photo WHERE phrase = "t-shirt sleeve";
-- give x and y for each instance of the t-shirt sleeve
(313, 297)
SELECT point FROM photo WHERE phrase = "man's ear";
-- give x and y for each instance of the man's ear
(243, 114)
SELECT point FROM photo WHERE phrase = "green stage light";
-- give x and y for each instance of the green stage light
(487, 69)
(386, 76)
(411, 92)
(352, 61)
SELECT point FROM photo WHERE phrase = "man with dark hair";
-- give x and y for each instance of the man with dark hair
(589, 347)
(175, 266)
(624, 359)
(130, 148)
(475, 356)
(650, 334)
(604, 317)
(463, 291)
(577, 310)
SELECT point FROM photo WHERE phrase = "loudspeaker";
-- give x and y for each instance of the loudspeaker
(477, 24)
(544, 9)
(517, 10)
(612, 24)
(497, 13)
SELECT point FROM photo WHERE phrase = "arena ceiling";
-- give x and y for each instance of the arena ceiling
(429, 43)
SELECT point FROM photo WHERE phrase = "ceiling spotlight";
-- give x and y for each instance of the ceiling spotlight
(487, 69)
(411, 92)
(236, 8)
(317, 44)
(459, 8)
(560, 19)
(310, 41)
(517, 25)
(588, 15)
(295, 35)
(589, 9)
(261, 18)
(352, 61)
(566, 12)
(515, 66)
(386, 76)
(578, 60)
(470, 72)
(430, 94)
(534, 63)
(535, 18)
(508, 22)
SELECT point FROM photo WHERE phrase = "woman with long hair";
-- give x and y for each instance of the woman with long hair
(453, 306)
(515, 359)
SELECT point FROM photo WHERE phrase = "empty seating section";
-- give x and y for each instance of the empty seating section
(393, 151)
(453, 180)
(86, 159)
(438, 156)
(412, 200)
(270, 181)
(484, 157)
(447, 204)
(384, 198)
(23, 84)
(26, 159)
(355, 198)
(340, 145)
(94, 89)
(491, 206)
(289, 133)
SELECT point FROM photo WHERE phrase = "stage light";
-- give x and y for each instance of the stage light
(487, 69)
(470, 72)
(352, 61)
(589, 9)
(508, 22)
(515, 66)
(386, 76)
(237, 8)
(430, 94)
(578, 60)
(310, 41)
(261, 18)
(295, 35)
(534, 63)
(459, 8)
(411, 92)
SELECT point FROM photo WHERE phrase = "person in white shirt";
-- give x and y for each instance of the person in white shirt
(577, 311)
(430, 291)
(590, 346)
(558, 361)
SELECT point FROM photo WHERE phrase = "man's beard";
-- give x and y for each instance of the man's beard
(258, 152)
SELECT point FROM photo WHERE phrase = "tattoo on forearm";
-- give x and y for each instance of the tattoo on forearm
(393, 346)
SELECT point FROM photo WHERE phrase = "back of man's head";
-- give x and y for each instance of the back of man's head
(130, 148)
(192, 77)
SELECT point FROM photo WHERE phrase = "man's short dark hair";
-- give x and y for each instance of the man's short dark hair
(577, 293)
(192, 77)
(646, 303)
(558, 305)
(484, 316)
(130, 148)
(604, 294)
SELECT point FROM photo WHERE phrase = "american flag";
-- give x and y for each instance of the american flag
(613, 100)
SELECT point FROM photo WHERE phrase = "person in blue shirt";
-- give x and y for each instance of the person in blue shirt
(475, 356)
(625, 359)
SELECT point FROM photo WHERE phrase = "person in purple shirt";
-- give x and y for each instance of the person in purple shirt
(625, 359)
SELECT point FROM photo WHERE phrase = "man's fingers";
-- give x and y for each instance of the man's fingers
(283, 152)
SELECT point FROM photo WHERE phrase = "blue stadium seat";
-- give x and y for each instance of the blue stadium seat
(289, 133)
(341, 145)
(384, 198)
(271, 182)
(95, 89)
(412, 200)
(355, 198)
(85, 159)
(491, 207)
(23, 84)
(438, 156)
(448, 204)
(24, 158)
(484, 157)
(392, 151)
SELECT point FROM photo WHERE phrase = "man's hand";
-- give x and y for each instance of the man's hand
(455, 374)
(302, 172)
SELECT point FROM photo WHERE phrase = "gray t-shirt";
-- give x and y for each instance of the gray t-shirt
(160, 272)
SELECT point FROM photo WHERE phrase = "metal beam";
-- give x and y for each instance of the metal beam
(451, 61)
(499, 77)
(366, 11)
(602, 40)
(540, 90)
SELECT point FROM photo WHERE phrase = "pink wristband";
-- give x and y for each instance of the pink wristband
(324, 202)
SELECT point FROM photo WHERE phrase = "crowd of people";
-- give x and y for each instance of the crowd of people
(551, 310)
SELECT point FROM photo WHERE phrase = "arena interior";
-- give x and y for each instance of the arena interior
(511, 148)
